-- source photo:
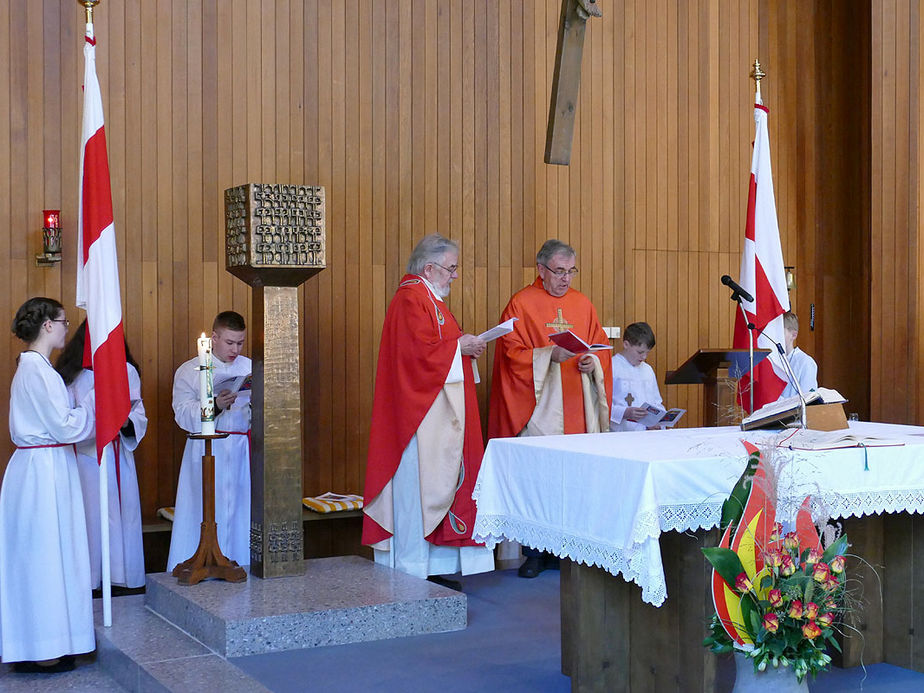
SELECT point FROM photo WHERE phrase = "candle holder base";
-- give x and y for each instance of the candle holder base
(208, 561)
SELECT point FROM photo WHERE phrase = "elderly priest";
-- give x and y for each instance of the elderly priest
(540, 388)
(425, 445)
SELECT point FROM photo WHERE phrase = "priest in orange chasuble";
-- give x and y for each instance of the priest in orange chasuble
(425, 444)
(539, 388)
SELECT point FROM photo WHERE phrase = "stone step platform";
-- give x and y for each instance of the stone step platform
(142, 652)
(177, 637)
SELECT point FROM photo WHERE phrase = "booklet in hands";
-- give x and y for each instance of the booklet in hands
(234, 383)
(571, 342)
(658, 417)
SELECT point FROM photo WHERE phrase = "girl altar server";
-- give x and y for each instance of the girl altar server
(126, 555)
(46, 610)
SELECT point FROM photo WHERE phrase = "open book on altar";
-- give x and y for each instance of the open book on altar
(787, 409)
(659, 416)
(570, 341)
(234, 383)
(806, 439)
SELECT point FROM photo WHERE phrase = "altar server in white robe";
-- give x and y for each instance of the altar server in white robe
(232, 454)
(46, 611)
(126, 553)
(634, 381)
(803, 366)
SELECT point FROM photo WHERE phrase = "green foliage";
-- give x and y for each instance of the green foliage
(726, 563)
(733, 507)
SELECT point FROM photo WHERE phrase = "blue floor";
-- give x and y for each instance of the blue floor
(512, 643)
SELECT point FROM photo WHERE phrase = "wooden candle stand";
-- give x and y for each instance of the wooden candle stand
(208, 561)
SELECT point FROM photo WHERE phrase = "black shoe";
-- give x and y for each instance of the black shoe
(65, 663)
(550, 561)
(445, 582)
(531, 567)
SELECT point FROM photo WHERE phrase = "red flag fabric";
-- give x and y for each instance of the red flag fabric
(763, 276)
(97, 263)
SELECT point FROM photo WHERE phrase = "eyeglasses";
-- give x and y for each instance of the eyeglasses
(67, 323)
(452, 269)
(561, 272)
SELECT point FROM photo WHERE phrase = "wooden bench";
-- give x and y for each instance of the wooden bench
(326, 534)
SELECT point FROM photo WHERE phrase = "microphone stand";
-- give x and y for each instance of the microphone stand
(793, 380)
(751, 327)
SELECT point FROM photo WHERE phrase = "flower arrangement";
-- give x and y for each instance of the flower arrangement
(777, 596)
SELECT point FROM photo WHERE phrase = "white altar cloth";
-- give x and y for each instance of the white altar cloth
(603, 499)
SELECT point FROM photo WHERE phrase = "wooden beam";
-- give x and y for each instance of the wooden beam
(566, 80)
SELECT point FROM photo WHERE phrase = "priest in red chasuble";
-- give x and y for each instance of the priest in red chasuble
(425, 444)
(539, 388)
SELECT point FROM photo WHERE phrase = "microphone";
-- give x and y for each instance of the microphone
(734, 286)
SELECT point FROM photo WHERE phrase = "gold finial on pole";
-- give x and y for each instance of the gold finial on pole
(757, 74)
(88, 5)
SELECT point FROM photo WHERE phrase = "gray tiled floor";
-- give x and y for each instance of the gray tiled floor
(512, 644)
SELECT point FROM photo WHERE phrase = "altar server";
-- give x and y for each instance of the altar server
(803, 365)
(425, 445)
(232, 454)
(539, 388)
(46, 612)
(126, 553)
(634, 381)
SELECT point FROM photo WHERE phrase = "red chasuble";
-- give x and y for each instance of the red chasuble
(418, 345)
(540, 314)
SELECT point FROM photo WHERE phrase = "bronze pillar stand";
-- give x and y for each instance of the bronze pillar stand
(275, 242)
(208, 561)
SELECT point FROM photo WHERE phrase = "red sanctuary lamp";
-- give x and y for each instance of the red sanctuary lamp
(51, 238)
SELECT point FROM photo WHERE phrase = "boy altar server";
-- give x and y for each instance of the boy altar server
(634, 381)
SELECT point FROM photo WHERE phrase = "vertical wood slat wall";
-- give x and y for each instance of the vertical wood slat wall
(897, 331)
(417, 116)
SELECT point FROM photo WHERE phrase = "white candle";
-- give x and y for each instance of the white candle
(206, 399)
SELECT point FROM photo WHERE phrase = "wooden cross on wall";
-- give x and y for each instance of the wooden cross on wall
(566, 80)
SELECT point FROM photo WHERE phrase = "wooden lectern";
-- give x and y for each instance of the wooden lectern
(714, 368)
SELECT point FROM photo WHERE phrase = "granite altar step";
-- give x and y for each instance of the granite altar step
(177, 637)
(336, 601)
(142, 652)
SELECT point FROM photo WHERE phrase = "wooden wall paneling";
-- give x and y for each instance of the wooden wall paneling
(877, 337)
(422, 116)
(520, 139)
(8, 297)
(496, 185)
(311, 331)
(918, 83)
(531, 145)
(334, 227)
(364, 183)
(904, 275)
(38, 279)
(337, 243)
(282, 60)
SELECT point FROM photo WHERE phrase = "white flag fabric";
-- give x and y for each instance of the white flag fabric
(97, 264)
(762, 275)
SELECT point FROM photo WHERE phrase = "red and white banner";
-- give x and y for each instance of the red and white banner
(763, 276)
(97, 263)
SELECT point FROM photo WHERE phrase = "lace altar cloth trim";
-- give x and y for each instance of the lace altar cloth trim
(641, 563)
(634, 565)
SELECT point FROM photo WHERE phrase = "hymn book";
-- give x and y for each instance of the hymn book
(660, 417)
(234, 383)
(571, 342)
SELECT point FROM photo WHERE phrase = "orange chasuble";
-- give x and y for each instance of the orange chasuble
(513, 394)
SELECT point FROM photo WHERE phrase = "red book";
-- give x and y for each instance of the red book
(570, 341)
